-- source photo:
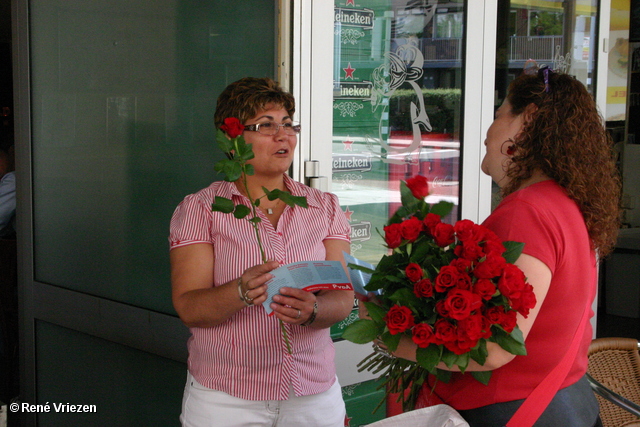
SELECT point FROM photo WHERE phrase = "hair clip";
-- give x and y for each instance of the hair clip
(544, 72)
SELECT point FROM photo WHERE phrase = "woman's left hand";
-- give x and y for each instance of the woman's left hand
(293, 305)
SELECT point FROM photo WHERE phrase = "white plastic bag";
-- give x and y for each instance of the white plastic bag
(432, 416)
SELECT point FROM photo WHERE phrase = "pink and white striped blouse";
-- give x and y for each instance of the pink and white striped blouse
(246, 356)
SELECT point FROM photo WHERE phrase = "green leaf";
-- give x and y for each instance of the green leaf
(361, 331)
(463, 361)
(286, 197)
(231, 169)
(243, 150)
(222, 204)
(241, 211)
(513, 343)
(442, 208)
(376, 312)
(391, 341)
(483, 376)
(248, 169)
(450, 359)
(480, 353)
(360, 268)
(224, 143)
(428, 357)
(404, 297)
(255, 220)
(444, 376)
(513, 251)
(421, 249)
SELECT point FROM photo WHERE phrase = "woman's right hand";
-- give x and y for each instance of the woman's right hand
(253, 282)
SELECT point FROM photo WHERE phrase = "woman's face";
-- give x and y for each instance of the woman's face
(505, 126)
(273, 153)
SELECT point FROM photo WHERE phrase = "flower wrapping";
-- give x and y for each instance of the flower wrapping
(449, 288)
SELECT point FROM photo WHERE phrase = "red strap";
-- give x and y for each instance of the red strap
(539, 399)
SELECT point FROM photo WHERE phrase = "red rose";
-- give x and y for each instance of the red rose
(494, 314)
(463, 265)
(423, 335)
(445, 331)
(460, 303)
(447, 278)
(509, 321)
(414, 272)
(443, 234)
(526, 301)
(511, 282)
(232, 127)
(484, 288)
(491, 267)
(467, 230)
(423, 288)
(473, 327)
(462, 345)
(411, 228)
(488, 235)
(441, 309)
(469, 250)
(430, 221)
(399, 319)
(418, 186)
(393, 235)
(464, 282)
(493, 247)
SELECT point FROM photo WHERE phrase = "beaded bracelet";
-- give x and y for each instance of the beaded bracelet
(312, 318)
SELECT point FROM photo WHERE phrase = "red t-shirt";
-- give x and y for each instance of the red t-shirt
(553, 230)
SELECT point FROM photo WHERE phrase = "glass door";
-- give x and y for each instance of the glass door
(397, 108)
(560, 34)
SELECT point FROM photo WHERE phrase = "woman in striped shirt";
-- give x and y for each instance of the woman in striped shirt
(241, 371)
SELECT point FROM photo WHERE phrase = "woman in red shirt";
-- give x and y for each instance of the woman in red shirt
(549, 152)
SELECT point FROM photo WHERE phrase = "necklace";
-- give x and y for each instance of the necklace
(270, 210)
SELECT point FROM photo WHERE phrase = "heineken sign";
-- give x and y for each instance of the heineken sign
(361, 18)
(354, 90)
(351, 162)
(361, 232)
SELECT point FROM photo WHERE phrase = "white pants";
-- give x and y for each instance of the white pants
(204, 407)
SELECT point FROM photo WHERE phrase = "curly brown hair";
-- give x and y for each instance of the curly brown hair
(246, 97)
(565, 138)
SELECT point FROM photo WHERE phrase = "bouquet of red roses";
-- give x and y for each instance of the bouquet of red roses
(450, 288)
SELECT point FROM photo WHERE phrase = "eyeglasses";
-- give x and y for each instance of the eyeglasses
(272, 128)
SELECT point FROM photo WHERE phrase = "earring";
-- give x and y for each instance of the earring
(511, 149)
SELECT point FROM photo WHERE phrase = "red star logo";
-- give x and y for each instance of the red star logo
(348, 213)
(348, 144)
(349, 72)
(347, 421)
(351, 2)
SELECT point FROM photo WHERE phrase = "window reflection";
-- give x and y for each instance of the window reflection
(397, 89)
(558, 33)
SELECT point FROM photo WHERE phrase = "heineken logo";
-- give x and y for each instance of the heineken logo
(351, 162)
(353, 90)
(361, 18)
(361, 232)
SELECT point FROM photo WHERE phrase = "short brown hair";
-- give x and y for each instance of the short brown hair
(246, 97)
